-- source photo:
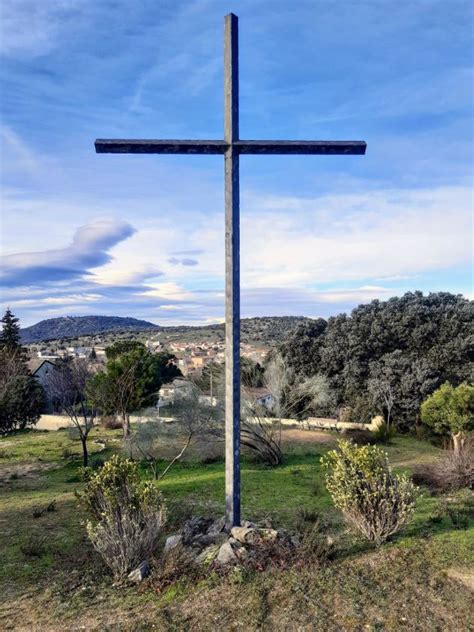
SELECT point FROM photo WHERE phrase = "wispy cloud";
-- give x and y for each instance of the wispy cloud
(88, 249)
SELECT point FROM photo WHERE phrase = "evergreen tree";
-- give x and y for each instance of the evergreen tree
(10, 336)
(418, 341)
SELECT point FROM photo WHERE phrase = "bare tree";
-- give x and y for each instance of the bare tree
(194, 420)
(260, 431)
(295, 398)
(67, 385)
(381, 389)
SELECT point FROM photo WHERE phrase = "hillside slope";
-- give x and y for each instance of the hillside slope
(74, 326)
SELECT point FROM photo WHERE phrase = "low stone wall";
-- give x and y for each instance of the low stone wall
(326, 423)
(53, 422)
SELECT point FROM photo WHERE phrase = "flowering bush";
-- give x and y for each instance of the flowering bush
(376, 502)
(126, 514)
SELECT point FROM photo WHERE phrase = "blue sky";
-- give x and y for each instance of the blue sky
(143, 235)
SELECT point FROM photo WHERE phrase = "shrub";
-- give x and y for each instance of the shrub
(450, 410)
(126, 514)
(361, 437)
(111, 422)
(384, 433)
(451, 472)
(34, 545)
(376, 502)
(316, 545)
(173, 566)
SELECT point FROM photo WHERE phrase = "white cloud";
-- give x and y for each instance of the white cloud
(388, 233)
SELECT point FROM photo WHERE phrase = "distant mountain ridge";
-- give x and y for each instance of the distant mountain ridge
(266, 329)
(74, 326)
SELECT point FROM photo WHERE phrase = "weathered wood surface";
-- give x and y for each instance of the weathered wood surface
(314, 147)
(232, 273)
(128, 146)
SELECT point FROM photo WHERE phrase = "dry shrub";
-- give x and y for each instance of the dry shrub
(361, 437)
(127, 514)
(279, 553)
(111, 423)
(35, 545)
(175, 565)
(373, 500)
(453, 471)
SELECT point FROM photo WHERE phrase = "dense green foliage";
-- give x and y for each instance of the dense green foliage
(21, 396)
(123, 346)
(10, 336)
(450, 410)
(73, 326)
(415, 343)
(130, 381)
(376, 502)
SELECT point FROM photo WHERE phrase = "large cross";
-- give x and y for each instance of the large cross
(232, 148)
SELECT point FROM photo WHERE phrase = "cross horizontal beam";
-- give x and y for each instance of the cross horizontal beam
(267, 147)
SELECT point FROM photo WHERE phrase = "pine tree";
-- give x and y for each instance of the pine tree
(10, 336)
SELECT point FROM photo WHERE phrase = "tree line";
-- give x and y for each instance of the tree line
(386, 357)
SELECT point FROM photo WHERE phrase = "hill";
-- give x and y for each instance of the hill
(74, 326)
(266, 330)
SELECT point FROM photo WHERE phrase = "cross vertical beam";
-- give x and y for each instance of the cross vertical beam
(231, 147)
(232, 273)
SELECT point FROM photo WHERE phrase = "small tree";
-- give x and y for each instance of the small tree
(127, 514)
(450, 410)
(130, 381)
(67, 385)
(381, 388)
(10, 336)
(21, 395)
(194, 421)
(376, 502)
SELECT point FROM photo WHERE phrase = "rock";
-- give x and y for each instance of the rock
(249, 524)
(268, 534)
(241, 552)
(295, 541)
(218, 526)
(243, 534)
(209, 538)
(172, 542)
(226, 554)
(251, 535)
(197, 525)
(139, 573)
(208, 555)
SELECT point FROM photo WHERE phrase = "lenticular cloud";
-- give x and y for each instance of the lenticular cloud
(88, 249)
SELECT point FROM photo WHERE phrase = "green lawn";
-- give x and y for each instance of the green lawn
(50, 578)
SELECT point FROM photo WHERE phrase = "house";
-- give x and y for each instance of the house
(262, 397)
(176, 389)
(41, 370)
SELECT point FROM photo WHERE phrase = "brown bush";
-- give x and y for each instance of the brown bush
(173, 566)
(111, 423)
(453, 471)
(361, 437)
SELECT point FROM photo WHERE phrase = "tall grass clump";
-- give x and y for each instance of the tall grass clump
(374, 501)
(126, 514)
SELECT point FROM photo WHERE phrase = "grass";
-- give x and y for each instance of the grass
(50, 578)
